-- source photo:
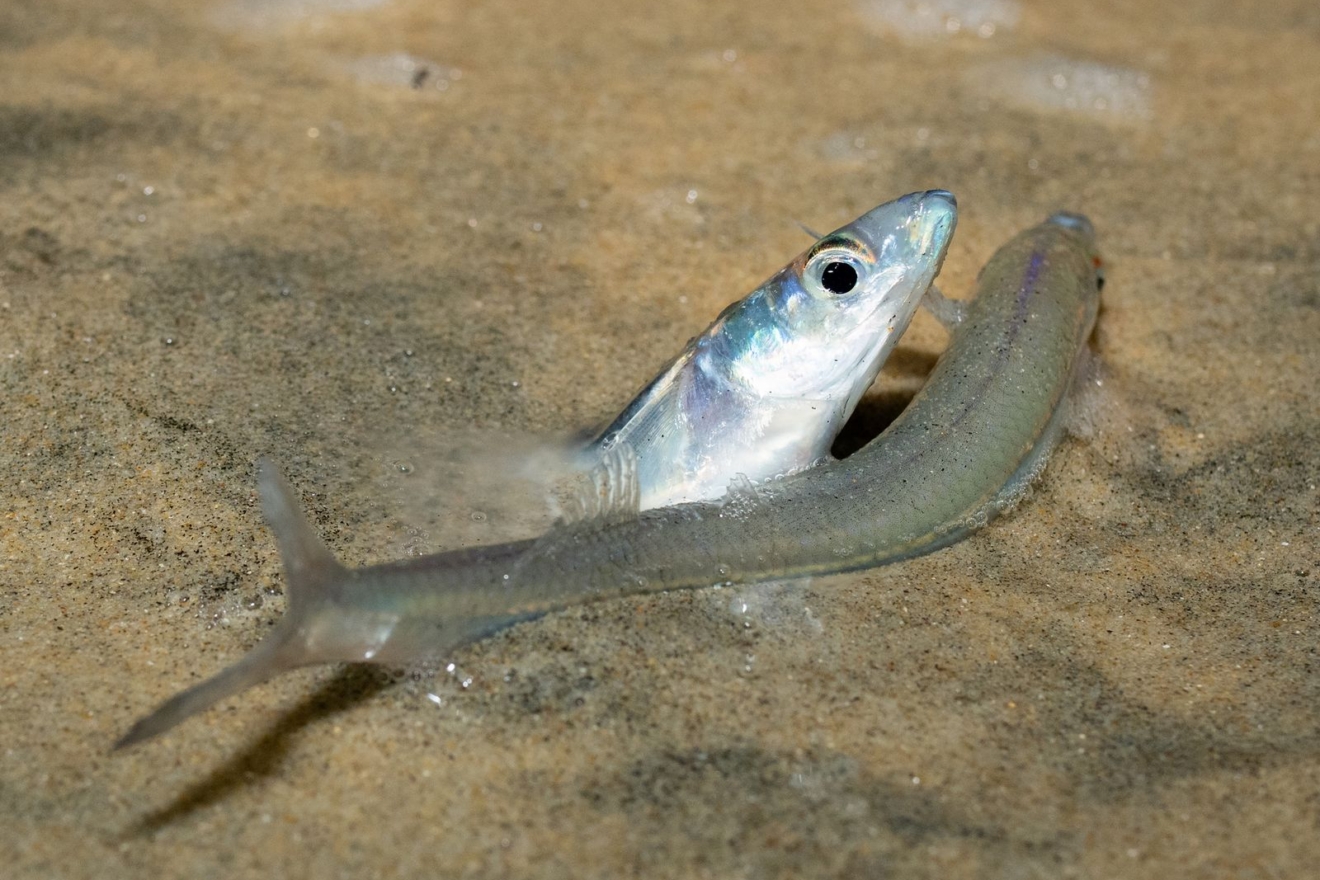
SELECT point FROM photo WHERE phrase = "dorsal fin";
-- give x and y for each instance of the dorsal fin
(307, 561)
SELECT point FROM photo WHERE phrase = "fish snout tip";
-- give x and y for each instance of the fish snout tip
(941, 196)
(1072, 220)
(939, 208)
(924, 218)
(938, 216)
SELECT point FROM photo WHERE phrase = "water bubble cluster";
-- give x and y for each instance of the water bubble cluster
(1055, 82)
(925, 20)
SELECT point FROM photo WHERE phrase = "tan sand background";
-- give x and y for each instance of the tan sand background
(331, 231)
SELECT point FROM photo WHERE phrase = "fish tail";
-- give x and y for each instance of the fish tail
(314, 580)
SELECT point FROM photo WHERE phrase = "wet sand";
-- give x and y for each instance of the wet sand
(331, 231)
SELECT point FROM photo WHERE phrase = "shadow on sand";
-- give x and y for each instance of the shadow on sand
(263, 756)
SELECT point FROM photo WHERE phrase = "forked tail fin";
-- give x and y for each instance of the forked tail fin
(313, 579)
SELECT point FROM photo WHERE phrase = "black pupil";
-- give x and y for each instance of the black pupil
(838, 277)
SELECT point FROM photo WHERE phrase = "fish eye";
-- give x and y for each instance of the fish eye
(838, 277)
(835, 267)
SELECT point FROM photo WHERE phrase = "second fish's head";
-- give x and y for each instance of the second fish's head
(828, 320)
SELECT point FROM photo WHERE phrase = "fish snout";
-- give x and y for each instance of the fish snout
(939, 207)
(1074, 221)
(910, 234)
(936, 216)
(941, 198)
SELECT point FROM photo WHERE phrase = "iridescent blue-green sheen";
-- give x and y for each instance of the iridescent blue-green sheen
(981, 428)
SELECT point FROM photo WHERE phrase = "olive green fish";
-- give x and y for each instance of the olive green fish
(963, 450)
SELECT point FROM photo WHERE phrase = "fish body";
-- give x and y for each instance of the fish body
(964, 449)
(766, 388)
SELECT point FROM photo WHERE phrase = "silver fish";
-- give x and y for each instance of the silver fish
(962, 452)
(768, 386)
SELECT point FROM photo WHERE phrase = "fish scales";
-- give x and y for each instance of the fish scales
(991, 409)
(964, 449)
(767, 387)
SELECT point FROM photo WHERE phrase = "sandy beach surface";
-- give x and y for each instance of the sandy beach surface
(343, 233)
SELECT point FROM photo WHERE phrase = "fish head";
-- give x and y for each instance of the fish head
(1081, 226)
(840, 307)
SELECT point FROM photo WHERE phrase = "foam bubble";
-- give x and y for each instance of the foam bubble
(777, 605)
(260, 14)
(1055, 82)
(923, 20)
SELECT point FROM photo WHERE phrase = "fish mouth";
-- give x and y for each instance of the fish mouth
(910, 228)
(942, 197)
